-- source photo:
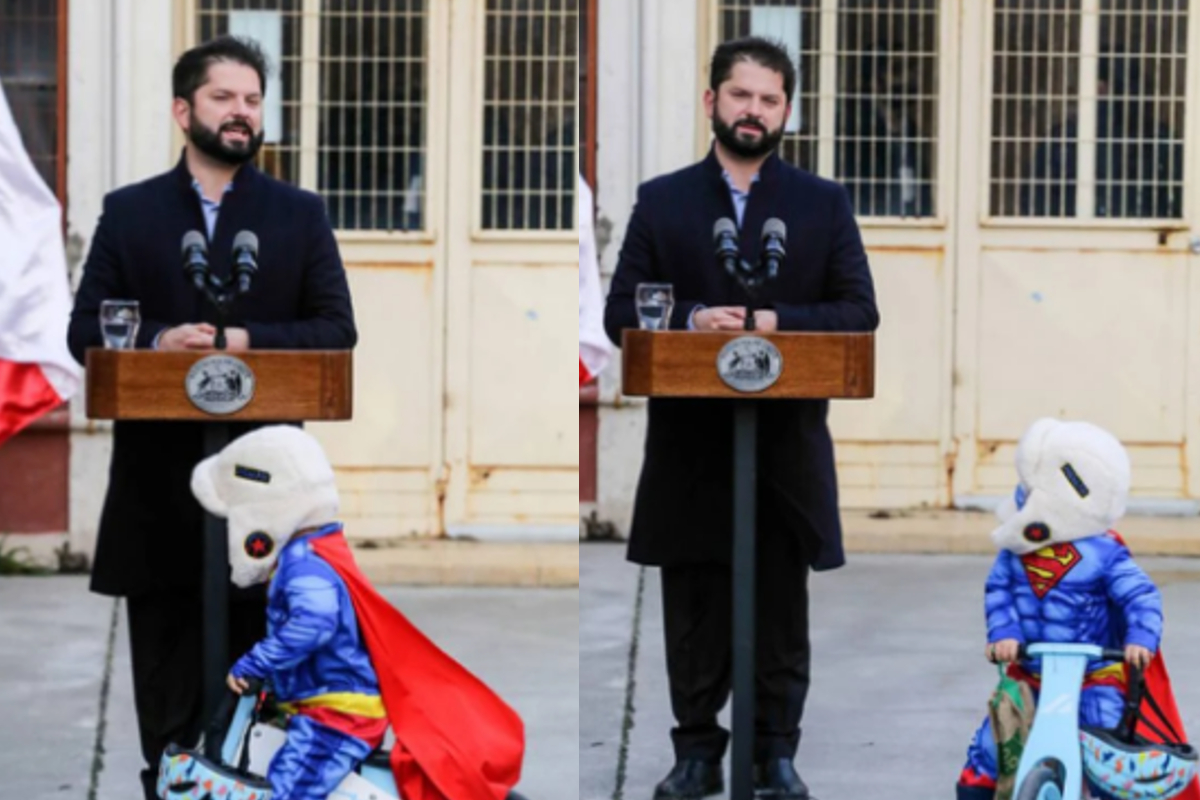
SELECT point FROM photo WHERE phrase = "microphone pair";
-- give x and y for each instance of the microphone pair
(245, 260)
(774, 241)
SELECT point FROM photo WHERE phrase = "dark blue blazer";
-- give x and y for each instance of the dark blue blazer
(684, 506)
(151, 526)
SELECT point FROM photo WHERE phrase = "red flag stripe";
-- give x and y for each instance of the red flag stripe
(25, 395)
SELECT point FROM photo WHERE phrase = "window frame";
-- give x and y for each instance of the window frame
(309, 98)
(478, 97)
(1084, 218)
(945, 129)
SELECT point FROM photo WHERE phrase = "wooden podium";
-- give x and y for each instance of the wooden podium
(749, 368)
(218, 387)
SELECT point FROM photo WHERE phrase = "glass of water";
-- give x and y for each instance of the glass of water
(119, 320)
(654, 304)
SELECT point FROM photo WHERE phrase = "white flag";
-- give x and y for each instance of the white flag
(594, 347)
(37, 372)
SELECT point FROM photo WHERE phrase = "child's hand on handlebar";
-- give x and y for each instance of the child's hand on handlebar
(1138, 656)
(236, 685)
(1003, 651)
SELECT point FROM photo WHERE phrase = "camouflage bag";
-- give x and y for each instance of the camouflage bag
(1010, 710)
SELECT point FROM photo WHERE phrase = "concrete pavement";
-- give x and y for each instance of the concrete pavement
(67, 725)
(899, 680)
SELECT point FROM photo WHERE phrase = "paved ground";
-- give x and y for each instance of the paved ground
(899, 677)
(67, 727)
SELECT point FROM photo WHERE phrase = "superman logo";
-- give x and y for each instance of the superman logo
(1047, 567)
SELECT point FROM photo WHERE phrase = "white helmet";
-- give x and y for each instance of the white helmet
(270, 483)
(1074, 482)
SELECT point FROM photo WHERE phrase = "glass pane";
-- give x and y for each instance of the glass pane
(802, 18)
(374, 74)
(280, 154)
(886, 148)
(1035, 77)
(530, 139)
(1140, 108)
(29, 75)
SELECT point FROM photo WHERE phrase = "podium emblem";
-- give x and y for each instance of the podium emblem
(749, 364)
(220, 384)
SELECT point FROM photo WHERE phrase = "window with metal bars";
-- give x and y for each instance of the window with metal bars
(865, 110)
(30, 64)
(1088, 108)
(353, 129)
(530, 138)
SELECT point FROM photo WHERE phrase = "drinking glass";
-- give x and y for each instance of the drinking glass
(654, 304)
(119, 320)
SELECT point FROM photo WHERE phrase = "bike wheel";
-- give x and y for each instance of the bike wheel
(1040, 784)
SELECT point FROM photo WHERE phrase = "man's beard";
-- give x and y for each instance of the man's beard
(745, 146)
(210, 143)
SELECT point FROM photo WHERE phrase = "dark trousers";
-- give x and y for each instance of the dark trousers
(166, 642)
(697, 616)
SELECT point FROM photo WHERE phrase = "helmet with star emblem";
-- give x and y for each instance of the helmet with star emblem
(1074, 482)
(269, 483)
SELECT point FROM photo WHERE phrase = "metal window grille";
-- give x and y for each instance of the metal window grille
(887, 106)
(1088, 108)
(866, 98)
(30, 64)
(352, 75)
(530, 138)
(373, 114)
(803, 35)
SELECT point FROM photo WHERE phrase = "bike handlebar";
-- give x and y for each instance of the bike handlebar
(1107, 654)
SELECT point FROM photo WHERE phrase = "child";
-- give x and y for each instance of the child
(1062, 576)
(340, 659)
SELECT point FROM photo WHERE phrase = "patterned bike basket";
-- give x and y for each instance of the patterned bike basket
(187, 775)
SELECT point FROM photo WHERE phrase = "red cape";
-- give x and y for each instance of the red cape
(455, 739)
(1158, 686)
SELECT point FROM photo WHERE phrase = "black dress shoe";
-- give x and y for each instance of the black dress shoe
(691, 779)
(777, 780)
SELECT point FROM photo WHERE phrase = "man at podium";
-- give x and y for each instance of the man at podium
(683, 513)
(150, 536)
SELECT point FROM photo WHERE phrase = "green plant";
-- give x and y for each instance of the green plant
(19, 561)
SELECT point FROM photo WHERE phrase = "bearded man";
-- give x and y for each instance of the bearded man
(683, 514)
(151, 528)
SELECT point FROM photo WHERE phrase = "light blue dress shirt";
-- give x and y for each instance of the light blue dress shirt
(209, 207)
(740, 199)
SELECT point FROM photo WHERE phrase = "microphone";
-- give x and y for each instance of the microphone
(774, 237)
(195, 258)
(245, 259)
(726, 244)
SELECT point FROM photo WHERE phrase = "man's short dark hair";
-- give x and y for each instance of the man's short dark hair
(764, 52)
(191, 70)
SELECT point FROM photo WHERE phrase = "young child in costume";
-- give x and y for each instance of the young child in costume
(341, 660)
(1062, 575)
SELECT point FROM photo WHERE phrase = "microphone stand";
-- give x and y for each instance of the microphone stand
(215, 575)
(751, 279)
(745, 516)
(221, 293)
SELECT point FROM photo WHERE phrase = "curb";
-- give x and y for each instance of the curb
(966, 532)
(456, 562)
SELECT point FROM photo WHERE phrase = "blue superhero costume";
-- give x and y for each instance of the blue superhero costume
(315, 658)
(343, 661)
(1088, 591)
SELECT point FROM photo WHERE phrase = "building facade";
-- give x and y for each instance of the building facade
(442, 135)
(1024, 172)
